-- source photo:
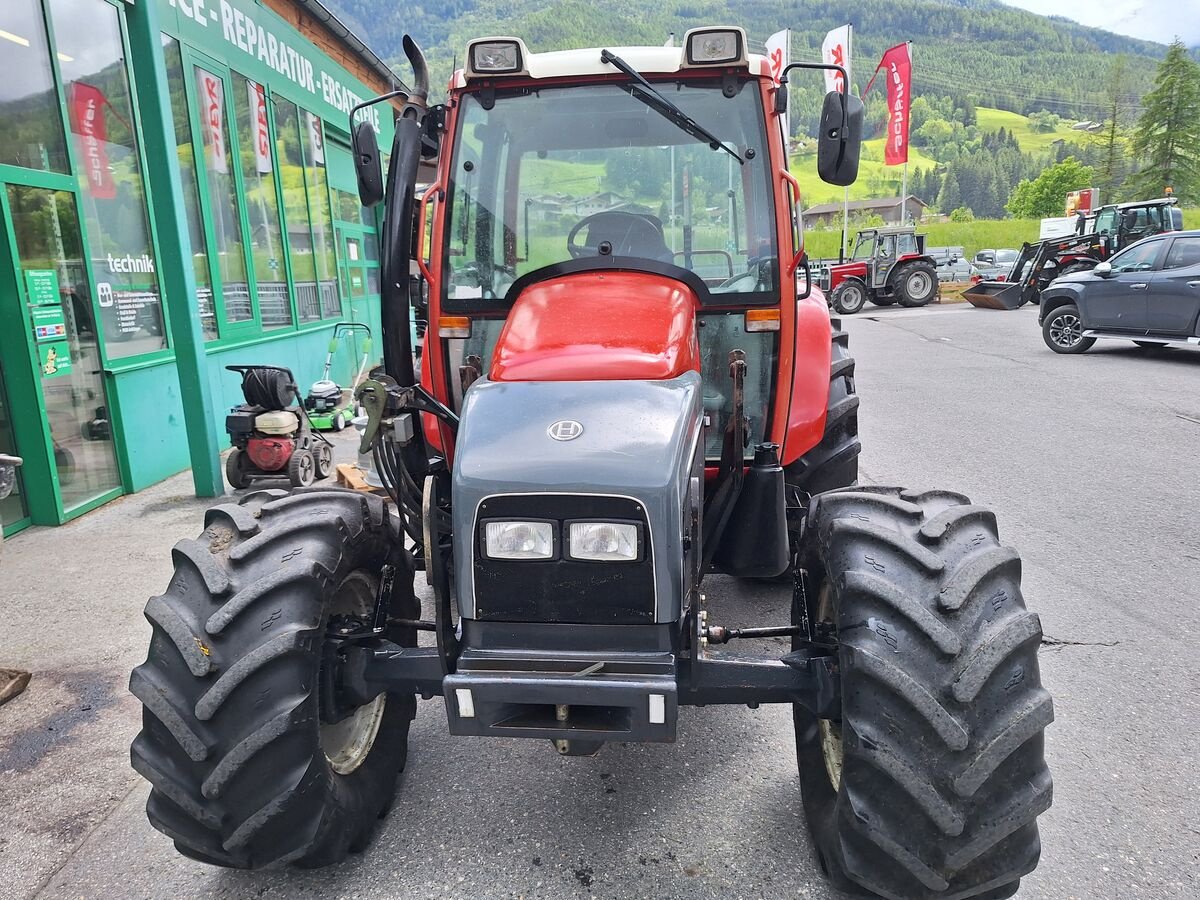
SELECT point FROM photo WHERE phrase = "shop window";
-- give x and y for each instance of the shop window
(224, 216)
(186, 154)
(124, 265)
(262, 207)
(31, 133)
(320, 214)
(295, 209)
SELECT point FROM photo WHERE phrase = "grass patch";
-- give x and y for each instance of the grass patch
(1030, 140)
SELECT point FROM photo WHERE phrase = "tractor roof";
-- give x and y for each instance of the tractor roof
(586, 62)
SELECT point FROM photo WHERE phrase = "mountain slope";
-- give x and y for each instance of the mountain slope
(1001, 56)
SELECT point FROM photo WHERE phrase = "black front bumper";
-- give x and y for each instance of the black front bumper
(500, 686)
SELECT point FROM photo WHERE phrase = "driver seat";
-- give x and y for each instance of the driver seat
(631, 234)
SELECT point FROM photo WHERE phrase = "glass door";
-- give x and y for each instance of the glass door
(61, 333)
(14, 514)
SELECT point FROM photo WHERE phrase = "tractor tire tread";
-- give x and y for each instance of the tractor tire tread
(230, 745)
(943, 711)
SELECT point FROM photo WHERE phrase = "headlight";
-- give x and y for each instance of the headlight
(603, 541)
(518, 540)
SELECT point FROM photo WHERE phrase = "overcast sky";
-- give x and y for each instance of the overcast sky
(1155, 20)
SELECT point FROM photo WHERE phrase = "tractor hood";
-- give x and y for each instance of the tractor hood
(550, 451)
(605, 325)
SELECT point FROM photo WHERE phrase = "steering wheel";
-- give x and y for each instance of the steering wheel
(630, 234)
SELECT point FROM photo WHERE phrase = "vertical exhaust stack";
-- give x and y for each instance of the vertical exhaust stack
(416, 59)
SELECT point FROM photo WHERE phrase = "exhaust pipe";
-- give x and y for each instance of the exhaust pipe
(416, 59)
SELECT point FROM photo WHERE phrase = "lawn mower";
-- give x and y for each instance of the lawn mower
(271, 437)
(328, 406)
(603, 418)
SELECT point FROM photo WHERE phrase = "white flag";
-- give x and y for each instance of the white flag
(835, 51)
(778, 55)
(262, 135)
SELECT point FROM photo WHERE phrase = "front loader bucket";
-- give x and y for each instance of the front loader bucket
(995, 294)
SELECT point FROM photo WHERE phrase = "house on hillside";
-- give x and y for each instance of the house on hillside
(889, 209)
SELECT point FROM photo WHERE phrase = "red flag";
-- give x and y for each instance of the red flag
(87, 104)
(897, 67)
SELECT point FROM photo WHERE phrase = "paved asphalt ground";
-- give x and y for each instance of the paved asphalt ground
(1093, 464)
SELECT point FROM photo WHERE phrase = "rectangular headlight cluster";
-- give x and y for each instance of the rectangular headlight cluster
(587, 541)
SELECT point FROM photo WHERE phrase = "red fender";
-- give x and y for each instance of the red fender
(810, 378)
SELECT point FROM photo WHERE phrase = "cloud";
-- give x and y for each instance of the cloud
(1154, 20)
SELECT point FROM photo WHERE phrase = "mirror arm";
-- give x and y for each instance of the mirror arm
(830, 67)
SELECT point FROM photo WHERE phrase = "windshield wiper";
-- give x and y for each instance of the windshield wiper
(644, 91)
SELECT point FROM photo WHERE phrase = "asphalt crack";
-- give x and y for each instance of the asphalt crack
(1059, 643)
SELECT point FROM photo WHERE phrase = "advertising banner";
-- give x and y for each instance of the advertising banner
(897, 68)
(316, 139)
(212, 119)
(778, 54)
(87, 105)
(835, 51)
(262, 134)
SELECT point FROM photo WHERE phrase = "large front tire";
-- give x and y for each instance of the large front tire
(930, 784)
(244, 771)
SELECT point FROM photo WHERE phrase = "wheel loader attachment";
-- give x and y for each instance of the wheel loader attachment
(996, 294)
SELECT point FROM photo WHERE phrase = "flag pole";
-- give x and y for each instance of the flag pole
(904, 178)
(846, 190)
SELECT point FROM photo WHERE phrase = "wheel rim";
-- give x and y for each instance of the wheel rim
(346, 744)
(829, 730)
(306, 468)
(852, 299)
(324, 459)
(1066, 330)
(918, 285)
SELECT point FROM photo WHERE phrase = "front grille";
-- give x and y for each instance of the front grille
(563, 590)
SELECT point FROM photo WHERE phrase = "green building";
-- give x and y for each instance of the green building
(176, 194)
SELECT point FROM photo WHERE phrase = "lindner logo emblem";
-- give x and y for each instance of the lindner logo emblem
(565, 430)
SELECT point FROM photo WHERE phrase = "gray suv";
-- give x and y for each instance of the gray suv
(1149, 293)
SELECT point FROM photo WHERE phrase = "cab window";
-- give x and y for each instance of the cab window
(1184, 253)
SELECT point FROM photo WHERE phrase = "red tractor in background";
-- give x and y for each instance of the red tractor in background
(888, 265)
(601, 423)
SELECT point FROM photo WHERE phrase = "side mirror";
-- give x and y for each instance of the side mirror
(781, 99)
(840, 144)
(1104, 270)
(367, 165)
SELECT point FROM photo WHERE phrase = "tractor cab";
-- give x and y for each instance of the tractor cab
(1120, 225)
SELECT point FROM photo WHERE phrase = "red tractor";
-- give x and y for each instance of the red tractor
(888, 265)
(602, 420)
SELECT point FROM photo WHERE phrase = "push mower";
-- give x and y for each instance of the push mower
(592, 435)
(328, 410)
(271, 437)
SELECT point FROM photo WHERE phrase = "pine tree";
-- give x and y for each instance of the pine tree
(1111, 169)
(1167, 137)
(950, 197)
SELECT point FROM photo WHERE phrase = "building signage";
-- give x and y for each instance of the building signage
(259, 35)
(54, 359)
(42, 286)
(49, 323)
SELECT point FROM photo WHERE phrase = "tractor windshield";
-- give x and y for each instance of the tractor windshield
(545, 175)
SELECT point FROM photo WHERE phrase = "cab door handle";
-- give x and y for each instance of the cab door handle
(1194, 284)
(1141, 286)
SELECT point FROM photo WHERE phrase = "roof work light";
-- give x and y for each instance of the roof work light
(496, 56)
